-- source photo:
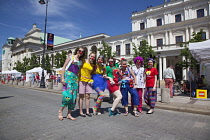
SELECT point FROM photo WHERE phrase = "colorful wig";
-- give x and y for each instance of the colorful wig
(138, 58)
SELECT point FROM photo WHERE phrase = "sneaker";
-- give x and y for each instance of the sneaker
(116, 112)
(111, 113)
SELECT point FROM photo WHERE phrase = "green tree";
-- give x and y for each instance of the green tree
(106, 50)
(63, 58)
(34, 62)
(57, 60)
(47, 65)
(18, 66)
(145, 51)
(190, 61)
(26, 64)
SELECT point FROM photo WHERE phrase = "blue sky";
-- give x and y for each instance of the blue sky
(69, 18)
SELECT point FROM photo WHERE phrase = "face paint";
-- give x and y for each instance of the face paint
(124, 66)
(93, 58)
(80, 51)
(100, 61)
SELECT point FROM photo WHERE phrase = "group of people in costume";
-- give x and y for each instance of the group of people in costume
(81, 76)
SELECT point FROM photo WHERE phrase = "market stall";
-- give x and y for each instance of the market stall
(34, 71)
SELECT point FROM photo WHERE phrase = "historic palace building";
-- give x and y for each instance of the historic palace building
(164, 27)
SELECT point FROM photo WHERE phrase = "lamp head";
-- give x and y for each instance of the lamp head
(41, 1)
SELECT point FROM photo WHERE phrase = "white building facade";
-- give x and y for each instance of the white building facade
(164, 27)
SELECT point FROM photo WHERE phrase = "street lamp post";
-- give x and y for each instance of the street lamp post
(42, 83)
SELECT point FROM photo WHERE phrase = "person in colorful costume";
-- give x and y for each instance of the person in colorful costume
(85, 84)
(112, 74)
(127, 85)
(139, 72)
(150, 95)
(99, 83)
(69, 79)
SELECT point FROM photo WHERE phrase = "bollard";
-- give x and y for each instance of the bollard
(28, 83)
(15, 82)
(165, 95)
(60, 86)
(11, 82)
(50, 85)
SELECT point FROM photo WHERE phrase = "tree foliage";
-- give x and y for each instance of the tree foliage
(48, 66)
(190, 61)
(145, 51)
(106, 50)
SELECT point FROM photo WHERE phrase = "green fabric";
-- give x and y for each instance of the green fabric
(117, 65)
(109, 71)
(70, 90)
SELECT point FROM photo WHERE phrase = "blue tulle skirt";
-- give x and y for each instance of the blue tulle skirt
(99, 81)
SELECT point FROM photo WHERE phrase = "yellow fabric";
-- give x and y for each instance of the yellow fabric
(85, 72)
(99, 70)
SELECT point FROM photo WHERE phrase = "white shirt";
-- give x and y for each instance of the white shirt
(139, 73)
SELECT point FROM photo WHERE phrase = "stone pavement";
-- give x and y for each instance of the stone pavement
(181, 102)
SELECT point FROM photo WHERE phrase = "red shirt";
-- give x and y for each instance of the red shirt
(150, 76)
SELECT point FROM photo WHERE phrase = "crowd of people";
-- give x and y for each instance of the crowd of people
(81, 76)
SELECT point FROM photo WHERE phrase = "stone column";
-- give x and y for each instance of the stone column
(187, 35)
(191, 32)
(152, 40)
(186, 13)
(170, 37)
(148, 39)
(184, 71)
(164, 63)
(166, 38)
(209, 7)
(160, 69)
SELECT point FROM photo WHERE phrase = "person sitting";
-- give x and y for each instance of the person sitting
(202, 84)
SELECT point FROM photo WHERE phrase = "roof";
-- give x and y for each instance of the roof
(11, 38)
(57, 39)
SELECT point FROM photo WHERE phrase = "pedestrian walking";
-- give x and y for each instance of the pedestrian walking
(99, 83)
(169, 78)
(112, 74)
(85, 84)
(127, 85)
(150, 95)
(139, 72)
(69, 80)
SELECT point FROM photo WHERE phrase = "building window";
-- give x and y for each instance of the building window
(178, 18)
(159, 42)
(159, 22)
(204, 36)
(142, 27)
(141, 43)
(118, 50)
(128, 52)
(179, 39)
(200, 13)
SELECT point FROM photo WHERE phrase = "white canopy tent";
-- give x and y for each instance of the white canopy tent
(201, 52)
(34, 70)
(13, 72)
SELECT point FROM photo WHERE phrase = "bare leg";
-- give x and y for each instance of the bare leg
(87, 102)
(118, 96)
(60, 113)
(69, 115)
(81, 98)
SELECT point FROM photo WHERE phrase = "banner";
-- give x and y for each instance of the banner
(50, 41)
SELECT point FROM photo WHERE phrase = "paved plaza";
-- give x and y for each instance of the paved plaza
(31, 114)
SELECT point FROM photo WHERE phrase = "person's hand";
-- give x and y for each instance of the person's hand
(112, 82)
(153, 89)
(90, 83)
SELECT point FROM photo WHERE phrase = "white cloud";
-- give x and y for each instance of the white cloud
(64, 29)
(55, 7)
(7, 25)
